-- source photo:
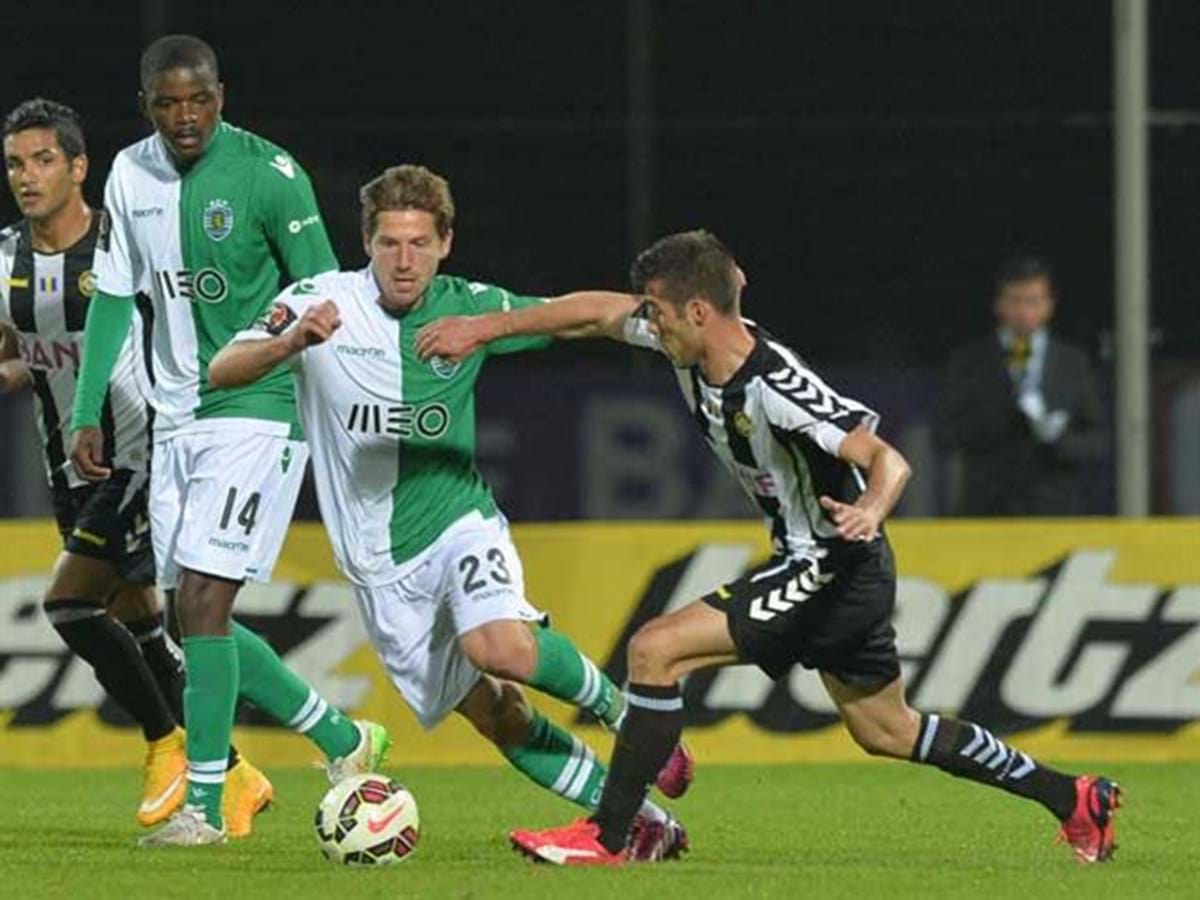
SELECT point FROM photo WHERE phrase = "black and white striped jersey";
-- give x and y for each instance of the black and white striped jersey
(776, 426)
(44, 299)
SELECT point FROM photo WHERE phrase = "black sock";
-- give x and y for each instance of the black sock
(648, 735)
(160, 656)
(971, 751)
(167, 666)
(113, 654)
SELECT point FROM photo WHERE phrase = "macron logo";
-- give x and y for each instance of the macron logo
(283, 166)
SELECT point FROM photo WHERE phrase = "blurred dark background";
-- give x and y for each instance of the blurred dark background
(870, 164)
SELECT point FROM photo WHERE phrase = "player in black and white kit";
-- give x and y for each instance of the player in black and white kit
(101, 598)
(812, 462)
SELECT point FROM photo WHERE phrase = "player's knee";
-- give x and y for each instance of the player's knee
(651, 652)
(511, 654)
(204, 604)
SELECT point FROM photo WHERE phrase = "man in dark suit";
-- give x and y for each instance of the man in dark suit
(1020, 407)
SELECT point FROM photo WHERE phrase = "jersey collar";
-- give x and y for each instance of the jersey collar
(753, 363)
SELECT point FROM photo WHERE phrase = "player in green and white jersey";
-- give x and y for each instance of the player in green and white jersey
(413, 524)
(209, 220)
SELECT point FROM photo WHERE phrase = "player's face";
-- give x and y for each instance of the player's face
(405, 252)
(184, 105)
(1025, 306)
(41, 177)
(679, 333)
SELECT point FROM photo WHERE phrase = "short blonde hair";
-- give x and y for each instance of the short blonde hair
(407, 187)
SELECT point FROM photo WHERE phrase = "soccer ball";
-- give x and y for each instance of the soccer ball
(367, 820)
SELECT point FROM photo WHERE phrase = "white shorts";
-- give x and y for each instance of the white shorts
(470, 576)
(221, 501)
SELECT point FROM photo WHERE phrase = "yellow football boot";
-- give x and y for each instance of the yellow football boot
(164, 781)
(247, 793)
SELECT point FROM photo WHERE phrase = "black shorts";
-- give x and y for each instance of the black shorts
(833, 616)
(110, 520)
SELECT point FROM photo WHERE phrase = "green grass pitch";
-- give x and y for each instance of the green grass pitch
(822, 831)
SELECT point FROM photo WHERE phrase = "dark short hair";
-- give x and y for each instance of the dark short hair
(1017, 269)
(42, 113)
(177, 51)
(690, 264)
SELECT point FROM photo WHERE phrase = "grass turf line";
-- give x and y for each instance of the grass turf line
(836, 830)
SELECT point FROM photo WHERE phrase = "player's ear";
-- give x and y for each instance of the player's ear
(79, 168)
(367, 243)
(447, 242)
(220, 97)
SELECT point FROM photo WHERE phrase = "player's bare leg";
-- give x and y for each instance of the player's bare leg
(883, 724)
(660, 653)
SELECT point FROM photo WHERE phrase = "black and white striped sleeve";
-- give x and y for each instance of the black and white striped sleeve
(797, 401)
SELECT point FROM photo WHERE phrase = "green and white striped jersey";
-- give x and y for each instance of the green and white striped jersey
(211, 246)
(392, 437)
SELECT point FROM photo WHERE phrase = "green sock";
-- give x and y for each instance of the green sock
(565, 673)
(559, 762)
(209, 700)
(284, 695)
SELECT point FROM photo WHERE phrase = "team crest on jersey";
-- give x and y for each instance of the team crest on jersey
(218, 219)
(443, 368)
(87, 283)
(742, 423)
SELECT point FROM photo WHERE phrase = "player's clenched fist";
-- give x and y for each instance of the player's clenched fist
(317, 325)
(455, 337)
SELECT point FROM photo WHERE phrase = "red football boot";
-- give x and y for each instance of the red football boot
(657, 841)
(676, 775)
(577, 844)
(1089, 830)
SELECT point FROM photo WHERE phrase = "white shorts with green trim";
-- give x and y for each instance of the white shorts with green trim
(470, 576)
(221, 501)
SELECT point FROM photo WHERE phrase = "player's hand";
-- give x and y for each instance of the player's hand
(854, 523)
(453, 337)
(87, 453)
(316, 326)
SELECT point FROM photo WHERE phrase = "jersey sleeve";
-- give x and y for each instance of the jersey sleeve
(292, 221)
(638, 331)
(115, 260)
(801, 404)
(489, 298)
(280, 315)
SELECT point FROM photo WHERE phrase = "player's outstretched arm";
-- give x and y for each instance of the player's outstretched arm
(887, 473)
(14, 374)
(582, 314)
(245, 360)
